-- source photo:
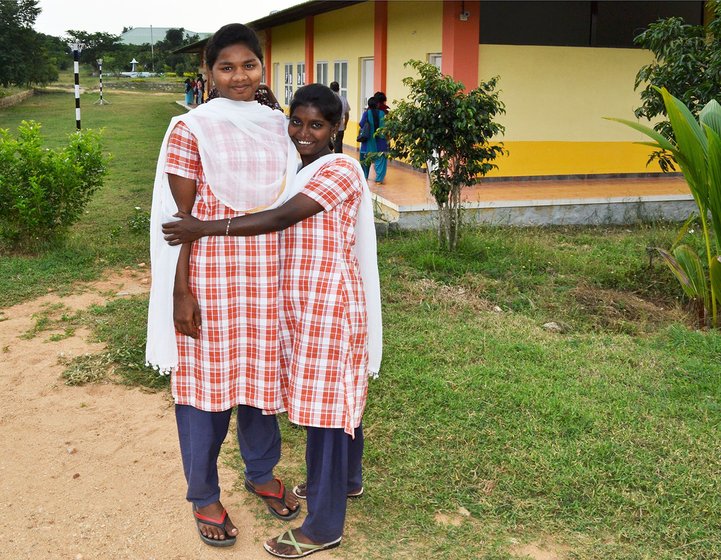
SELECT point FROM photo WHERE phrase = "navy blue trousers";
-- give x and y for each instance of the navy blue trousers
(202, 433)
(334, 463)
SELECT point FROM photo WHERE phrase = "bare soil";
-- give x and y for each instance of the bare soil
(94, 472)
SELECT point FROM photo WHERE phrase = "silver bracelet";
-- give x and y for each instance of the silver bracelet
(227, 226)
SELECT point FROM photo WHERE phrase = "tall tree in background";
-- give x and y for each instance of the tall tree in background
(24, 57)
(687, 62)
(97, 45)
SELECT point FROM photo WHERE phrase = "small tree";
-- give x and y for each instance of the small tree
(43, 191)
(447, 131)
(687, 62)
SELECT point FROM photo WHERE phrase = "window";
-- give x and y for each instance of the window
(580, 23)
(300, 74)
(340, 75)
(276, 77)
(435, 59)
(321, 73)
(288, 84)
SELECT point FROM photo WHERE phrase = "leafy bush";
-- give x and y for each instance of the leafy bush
(448, 131)
(43, 191)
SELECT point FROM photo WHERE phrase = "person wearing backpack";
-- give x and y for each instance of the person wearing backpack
(375, 147)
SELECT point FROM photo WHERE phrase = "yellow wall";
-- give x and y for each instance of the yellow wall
(287, 47)
(414, 30)
(346, 35)
(556, 98)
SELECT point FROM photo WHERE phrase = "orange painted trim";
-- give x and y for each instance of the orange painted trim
(269, 59)
(460, 41)
(380, 45)
(309, 48)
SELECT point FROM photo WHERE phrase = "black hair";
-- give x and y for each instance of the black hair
(372, 102)
(380, 96)
(232, 34)
(322, 98)
(335, 86)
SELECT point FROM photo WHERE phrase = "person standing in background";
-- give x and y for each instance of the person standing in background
(188, 92)
(381, 98)
(200, 90)
(338, 141)
(376, 147)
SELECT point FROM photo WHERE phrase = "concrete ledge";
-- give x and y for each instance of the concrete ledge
(11, 100)
(600, 211)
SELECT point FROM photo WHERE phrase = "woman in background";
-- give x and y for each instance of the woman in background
(374, 149)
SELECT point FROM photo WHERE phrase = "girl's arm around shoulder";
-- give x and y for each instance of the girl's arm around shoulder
(189, 228)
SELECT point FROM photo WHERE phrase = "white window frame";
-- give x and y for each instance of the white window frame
(435, 59)
(300, 73)
(288, 83)
(321, 73)
(340, 75)
(276, 77)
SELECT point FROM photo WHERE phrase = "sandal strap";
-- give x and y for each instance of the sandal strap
(280, 495)
(299, 546)
(220, 523)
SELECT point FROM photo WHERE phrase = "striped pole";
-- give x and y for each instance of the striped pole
(100, 74)
(76, 48)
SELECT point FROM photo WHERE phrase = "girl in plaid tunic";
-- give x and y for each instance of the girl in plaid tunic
(222, 297)
(330, 327)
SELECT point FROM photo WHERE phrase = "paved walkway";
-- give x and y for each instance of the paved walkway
(408, 189)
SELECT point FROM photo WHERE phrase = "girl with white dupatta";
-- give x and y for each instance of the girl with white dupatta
(213, 314)
(330, 317)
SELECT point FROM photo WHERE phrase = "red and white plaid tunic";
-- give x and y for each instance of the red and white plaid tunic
(323, 333)
(235, 279)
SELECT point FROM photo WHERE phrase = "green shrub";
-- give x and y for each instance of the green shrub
(44, 191)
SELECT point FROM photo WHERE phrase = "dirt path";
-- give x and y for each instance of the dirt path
(94, 472)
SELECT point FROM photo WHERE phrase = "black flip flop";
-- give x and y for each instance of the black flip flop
(229, 540)
(279, 496)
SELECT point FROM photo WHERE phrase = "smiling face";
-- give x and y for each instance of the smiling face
(310, 132)
(237, 72)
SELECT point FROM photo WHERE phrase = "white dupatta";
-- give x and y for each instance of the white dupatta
(365, 250)
(222, 128)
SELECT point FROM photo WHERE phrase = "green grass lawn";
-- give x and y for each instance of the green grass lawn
(485, 431)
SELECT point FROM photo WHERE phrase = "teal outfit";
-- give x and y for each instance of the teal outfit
(376, 144)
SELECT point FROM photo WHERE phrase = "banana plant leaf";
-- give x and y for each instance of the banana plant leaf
(714, 177)
(691, 145)
(683, 230)
(716, 282)
(661, 141)
(686, 265)
(710, 115)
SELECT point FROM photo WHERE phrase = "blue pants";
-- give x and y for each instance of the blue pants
(334, 463)
(202, 433)
(380, 163)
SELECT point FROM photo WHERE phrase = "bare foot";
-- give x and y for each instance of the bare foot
(215, 512)
(273, 487)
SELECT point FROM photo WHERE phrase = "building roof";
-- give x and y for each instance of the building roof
(294, 13)
(148, 35)
(300, 11)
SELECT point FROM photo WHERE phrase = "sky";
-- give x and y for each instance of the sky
(110, 16)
